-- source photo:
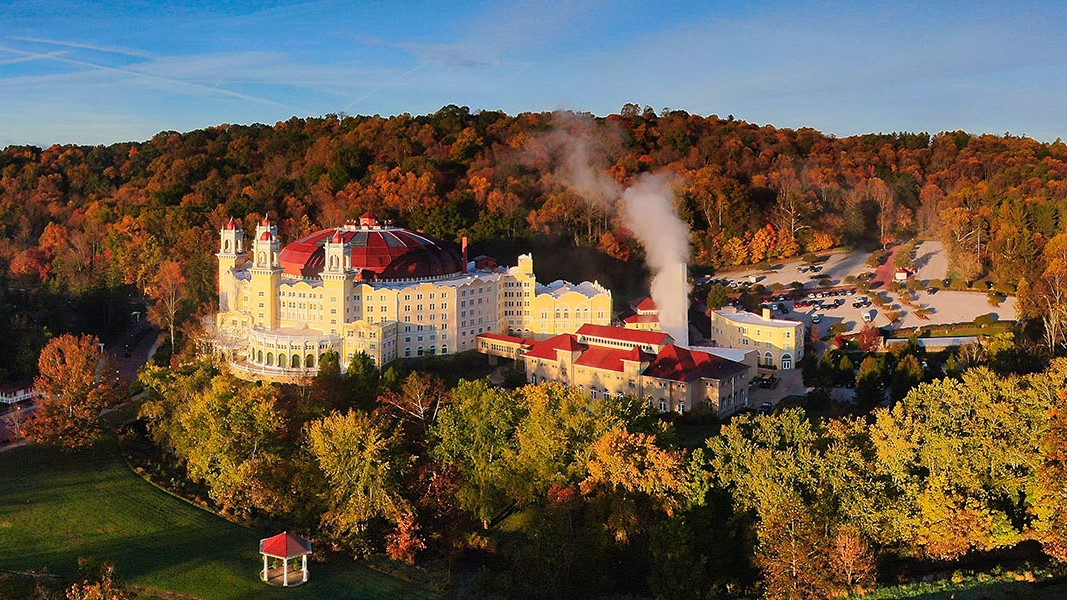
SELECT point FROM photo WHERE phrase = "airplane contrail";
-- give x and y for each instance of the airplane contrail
(23, 59)
(189, 84)
(383, 86)
(83, 46)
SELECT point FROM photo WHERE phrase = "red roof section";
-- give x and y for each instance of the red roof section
(230, 225)
(547, 348)
(624, 335)
(680, 364)
(635, 318)
(603, 357)
(393, 253)
(284, 545)
(646, 303)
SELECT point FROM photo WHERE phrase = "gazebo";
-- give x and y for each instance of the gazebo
(284, 546)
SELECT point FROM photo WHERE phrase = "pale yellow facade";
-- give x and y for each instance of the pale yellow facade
(779, 342)
(274, 325)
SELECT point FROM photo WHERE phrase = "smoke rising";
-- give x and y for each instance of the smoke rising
(646, 208)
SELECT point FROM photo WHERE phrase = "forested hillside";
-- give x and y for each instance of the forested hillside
(96, 224)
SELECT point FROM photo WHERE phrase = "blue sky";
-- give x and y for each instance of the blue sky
(100, 72)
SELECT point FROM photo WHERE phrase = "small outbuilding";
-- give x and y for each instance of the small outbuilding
(284, 547)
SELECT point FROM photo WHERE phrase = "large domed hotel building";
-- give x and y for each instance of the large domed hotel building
(376, 288)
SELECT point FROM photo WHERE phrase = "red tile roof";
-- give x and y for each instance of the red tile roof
(284, 545)
(547, 348)
(624, 335)
(601, 357)
(646, 303)
(641, 319)
(680, 364)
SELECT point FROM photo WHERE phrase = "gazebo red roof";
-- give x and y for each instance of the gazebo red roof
(284, 545)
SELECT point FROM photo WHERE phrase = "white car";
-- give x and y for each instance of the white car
(815, 318)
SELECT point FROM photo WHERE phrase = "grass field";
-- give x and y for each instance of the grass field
(55, 508)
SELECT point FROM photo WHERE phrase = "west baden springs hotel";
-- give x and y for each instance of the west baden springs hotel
(376, 288)
(392, 293)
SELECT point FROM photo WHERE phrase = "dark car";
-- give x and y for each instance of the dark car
(766, 408)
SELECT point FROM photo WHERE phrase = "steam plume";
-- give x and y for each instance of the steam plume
(646, 208)
(648, 211)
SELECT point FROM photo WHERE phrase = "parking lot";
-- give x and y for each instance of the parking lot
(837, 266)
(944, 306)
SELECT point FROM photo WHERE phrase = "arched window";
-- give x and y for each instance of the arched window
(433, 350)
(295, 364)
(787, 361)
(407, 352)
(262, 258)
(420, 351)
(226, 246)
(444, 348)
(281, 360)
(333, 262)
(309, 361)
(260, 357)
(270, 359)
(769, 359)
(662, 405)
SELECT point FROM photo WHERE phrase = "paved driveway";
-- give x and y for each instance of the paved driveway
(931, 261)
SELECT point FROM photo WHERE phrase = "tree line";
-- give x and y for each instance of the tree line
(87, 228)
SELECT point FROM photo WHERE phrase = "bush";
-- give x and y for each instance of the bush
(810, 258)
(985, 320)
(877, 258)
(994, 298)
(850, 279)
(893, 316)
(836, 329)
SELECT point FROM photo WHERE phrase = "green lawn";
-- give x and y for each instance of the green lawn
(55, 508)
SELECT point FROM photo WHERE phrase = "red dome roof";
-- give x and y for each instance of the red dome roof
(382, 253)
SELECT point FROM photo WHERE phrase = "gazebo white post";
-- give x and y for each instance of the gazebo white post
(285, 573)
(264, 567)
(305, 568)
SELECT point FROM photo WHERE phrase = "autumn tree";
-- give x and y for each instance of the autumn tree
(168, 292)
(363, 468)
(474, 435)
(944, 452)
(75, 384)
(418, 401)
(792, 554)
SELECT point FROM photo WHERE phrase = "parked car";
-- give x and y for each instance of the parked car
(783, 309)
(815, 318)
(766, 408)
(868, 316)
